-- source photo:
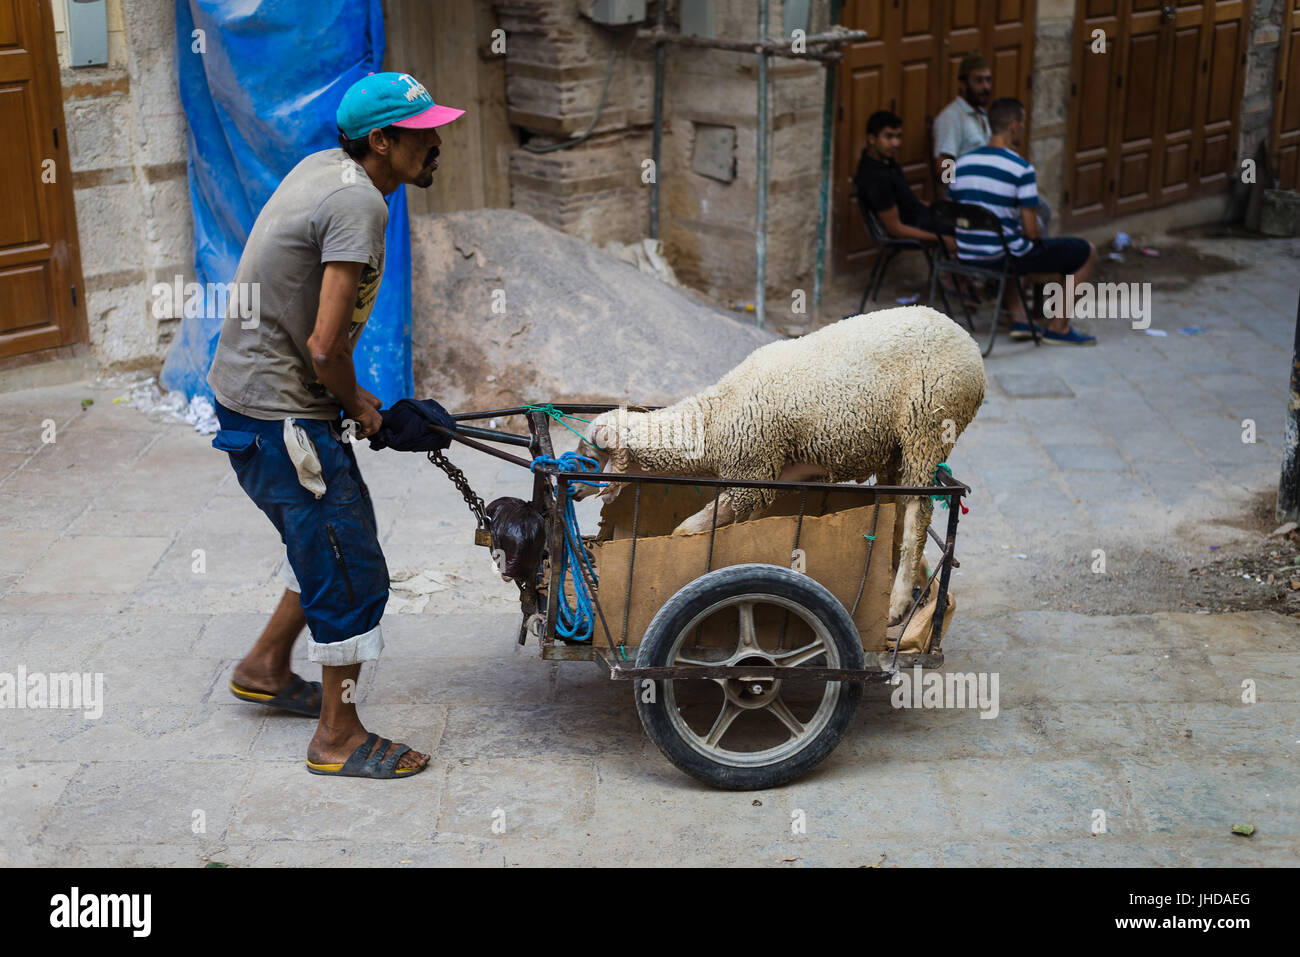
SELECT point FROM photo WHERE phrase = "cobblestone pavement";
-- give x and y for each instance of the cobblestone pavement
(1134, 448)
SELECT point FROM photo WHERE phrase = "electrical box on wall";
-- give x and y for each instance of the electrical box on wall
(700, 18)
(616, 12)
(714, 155)
(88, 32)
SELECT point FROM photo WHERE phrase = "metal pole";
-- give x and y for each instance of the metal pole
(823, 189)
(760, 236)
(1288, 488)
(661, 52)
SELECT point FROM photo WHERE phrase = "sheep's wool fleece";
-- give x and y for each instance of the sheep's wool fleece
(850, 397)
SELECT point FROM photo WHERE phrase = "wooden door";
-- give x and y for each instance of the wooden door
(1285, 140)
(41, 301)
(908, 64)
(1154, 115)
(1002, 31)
(900, 43)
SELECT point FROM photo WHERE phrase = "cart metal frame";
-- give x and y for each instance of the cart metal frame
(550, 488)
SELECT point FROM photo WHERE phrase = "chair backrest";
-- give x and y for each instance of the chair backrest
(946, 217)
(875, 228)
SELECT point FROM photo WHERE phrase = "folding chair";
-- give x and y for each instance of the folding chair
(890, 246)
(946, 217)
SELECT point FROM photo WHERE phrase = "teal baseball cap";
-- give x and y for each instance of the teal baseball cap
(390, 99)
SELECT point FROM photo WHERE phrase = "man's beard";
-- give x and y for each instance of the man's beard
(425, 179)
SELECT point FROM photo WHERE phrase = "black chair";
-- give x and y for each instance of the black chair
(946, 217)
(890, 246)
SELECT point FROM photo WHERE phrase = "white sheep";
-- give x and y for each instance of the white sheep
(885, 394)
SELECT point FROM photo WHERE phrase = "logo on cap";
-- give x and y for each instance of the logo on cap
(415, 89)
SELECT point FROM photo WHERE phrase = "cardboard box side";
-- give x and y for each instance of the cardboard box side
(834, 547)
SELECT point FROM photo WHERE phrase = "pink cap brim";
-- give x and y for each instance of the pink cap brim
(433, 116)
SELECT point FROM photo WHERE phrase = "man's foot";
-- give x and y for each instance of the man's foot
(328, 755)
(293, 694)
(1021, 330)
(1071, 337)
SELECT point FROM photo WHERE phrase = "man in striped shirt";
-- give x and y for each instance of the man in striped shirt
(996, 178)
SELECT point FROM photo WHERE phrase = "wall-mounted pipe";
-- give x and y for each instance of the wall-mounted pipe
(763, 46)
(823, 186)
(661, 53)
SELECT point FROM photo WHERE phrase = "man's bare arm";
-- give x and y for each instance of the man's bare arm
(896, 227)
(331, 350)
(1029, 222)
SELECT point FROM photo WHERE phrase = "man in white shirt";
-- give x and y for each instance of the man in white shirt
(963, 125)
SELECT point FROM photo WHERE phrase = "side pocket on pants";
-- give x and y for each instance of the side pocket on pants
(240, 446)
(342, 563)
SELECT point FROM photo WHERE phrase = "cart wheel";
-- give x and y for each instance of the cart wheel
(758, 733)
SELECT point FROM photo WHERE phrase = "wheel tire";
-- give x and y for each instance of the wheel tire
(764, 582)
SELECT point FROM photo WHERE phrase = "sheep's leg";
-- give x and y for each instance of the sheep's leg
(702, 520)
(916, 518)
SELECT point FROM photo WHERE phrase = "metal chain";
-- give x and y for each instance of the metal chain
(462, 485)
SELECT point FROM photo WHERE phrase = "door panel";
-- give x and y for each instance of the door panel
(909, 64)
(39, 271)
(1285, 139)
(1171, 132)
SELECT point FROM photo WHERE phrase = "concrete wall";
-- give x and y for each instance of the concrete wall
(708, 226)
(127, 141)
(1262, 54)
(556, 63)
(1053, 32)
(555, 68)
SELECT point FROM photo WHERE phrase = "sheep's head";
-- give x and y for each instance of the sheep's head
(605, 440)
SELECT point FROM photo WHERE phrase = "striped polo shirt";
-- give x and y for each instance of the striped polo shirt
(999, 180)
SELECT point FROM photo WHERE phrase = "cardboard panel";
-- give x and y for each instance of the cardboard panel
(834, 547)
(664, 507)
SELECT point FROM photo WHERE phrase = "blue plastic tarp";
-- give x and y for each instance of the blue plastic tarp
(260, 81)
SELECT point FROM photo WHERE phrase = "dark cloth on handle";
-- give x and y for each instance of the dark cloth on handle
(406, 427)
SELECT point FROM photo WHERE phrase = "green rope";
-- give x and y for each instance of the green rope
(942, 466)
(559, 417)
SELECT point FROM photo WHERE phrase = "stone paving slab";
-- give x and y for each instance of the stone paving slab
(1139, 715)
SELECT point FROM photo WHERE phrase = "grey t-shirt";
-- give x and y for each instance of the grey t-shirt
(326, 210)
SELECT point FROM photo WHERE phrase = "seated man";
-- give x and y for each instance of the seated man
(963, 125)
(996, 178)
(883, 188)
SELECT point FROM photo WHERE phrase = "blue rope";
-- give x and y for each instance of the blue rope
(578, 622)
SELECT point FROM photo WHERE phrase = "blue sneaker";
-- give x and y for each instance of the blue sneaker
(1021, 330)
(1072, 338)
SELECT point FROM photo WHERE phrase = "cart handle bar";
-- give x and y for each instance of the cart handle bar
(949, 487)
(570, 409)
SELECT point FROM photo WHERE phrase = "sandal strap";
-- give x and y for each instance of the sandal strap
(358, 759)
(372, 764)
(394, 755)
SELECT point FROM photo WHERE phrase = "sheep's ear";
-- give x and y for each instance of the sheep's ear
(620, 460)
(605, 438)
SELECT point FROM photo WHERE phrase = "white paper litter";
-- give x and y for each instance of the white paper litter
(411, 588)
(143, 393)
(647, 255)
